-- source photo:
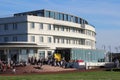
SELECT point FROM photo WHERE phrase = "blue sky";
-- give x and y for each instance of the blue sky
(103, 14)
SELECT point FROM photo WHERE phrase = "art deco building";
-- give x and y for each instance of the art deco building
(41, 33)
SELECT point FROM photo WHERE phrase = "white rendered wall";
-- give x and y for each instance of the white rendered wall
(51, 33)
(24, 32)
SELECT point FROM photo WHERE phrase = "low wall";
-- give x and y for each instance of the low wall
(92, 65)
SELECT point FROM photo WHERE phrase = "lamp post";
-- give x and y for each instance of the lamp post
(106, 54)
(110, 53)
(103, 46)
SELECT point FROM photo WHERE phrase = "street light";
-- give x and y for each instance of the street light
(110, 54)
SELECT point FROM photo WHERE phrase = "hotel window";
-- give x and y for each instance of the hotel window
(79, 42)
(88, 32)
(86, 22)
(57, 16)
(31, 53)
(49, 53)
(72, 18)
(61, 16)
(65, 17)
(14, 26)
(88, 42)
(6, 39)
(82, 41)
(54, 40)
(81, 31)
(67, 41)
(62, 28)
(73, 29)
(41, 39)
(69, 18)
(58, 40)
(41, 25)
(57, 28)
(62, 40)
(32, 25)
(5, 26)
(83, 21)
(76, 19)
(79, 20)
(73, 41)
(54, 27)
(67, 29)
(52, 14)
(47, 13)
(93, 34)
(49, 26)
(42, 54)
(0, 27)
(49, 40)
(15, 38)
(39, 14)
(32, 38)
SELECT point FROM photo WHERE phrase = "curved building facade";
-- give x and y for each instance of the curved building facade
(63, 30)
(43, 32)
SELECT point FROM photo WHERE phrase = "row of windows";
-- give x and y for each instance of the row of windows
(69, 41)
(63, 40)
(42, 54)
(56, 40)
(65, 17)
(88, 32)
(68, 29)
(72, 29)
(14, 38)
(55, 27)
(32, 39)
(64, 28)
(89, 42)
(7, 27)
(41, 39)
(32, 26)
(55, 15)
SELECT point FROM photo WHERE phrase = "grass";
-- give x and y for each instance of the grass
(99, 75)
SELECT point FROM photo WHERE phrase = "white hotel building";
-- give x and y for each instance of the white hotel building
(43, 32)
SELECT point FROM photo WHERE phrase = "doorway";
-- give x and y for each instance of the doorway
(65, 53)
(14, 55)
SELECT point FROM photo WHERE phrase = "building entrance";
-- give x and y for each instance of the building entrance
(65, 53)
(14, 55)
